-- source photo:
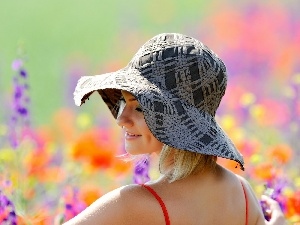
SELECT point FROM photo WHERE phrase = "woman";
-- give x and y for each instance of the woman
(165, 100)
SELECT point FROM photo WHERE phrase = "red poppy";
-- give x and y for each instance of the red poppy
(96, 147)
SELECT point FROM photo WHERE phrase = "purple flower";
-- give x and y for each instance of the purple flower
(7, 210)
(73, 205)
(274, 189)
(141, 171)
(17, 64)
(69, 207)
(22, 111)
(20, 103)
(23, 73)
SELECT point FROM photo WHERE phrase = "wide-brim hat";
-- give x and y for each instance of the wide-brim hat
(179, 83)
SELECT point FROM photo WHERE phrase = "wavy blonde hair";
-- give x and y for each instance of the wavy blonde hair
(177, 164)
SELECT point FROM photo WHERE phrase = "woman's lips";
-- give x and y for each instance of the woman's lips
(130, 136)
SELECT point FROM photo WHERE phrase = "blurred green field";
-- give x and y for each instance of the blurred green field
(56, 33)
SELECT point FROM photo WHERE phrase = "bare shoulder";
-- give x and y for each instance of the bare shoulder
(255, 212)
(115, 207)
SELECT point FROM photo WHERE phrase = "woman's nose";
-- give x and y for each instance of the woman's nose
(124, 118)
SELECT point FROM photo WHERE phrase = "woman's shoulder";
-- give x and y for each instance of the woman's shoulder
(241, 188)
(255, 211)
(116, 207)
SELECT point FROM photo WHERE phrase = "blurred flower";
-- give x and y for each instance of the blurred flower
(258, 112)
(141, 171)
(228, 122)
(248, 147)
(264, 171)
(7, 210)
(39, 217)
(17, 64)
(296, 79)
(120, 167)
(36, 162)
(95, 147)
(280, 190)
(247, 99)
(83, 120)
(292, 210)
(71, 203)
(281, 153)
(20, 103)
(262, 111)
(294, 202)
(89, 194)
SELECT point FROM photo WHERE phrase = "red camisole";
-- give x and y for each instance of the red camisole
(164, 209)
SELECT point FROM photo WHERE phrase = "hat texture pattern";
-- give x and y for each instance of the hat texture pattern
(179, 83)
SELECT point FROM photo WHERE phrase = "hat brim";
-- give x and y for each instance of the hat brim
(172, 121)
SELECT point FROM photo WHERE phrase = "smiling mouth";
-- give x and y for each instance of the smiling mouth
(131, 135)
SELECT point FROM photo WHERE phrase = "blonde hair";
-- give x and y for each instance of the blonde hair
(177, 164)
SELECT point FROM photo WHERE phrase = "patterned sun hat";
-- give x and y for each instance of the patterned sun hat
(179, 83)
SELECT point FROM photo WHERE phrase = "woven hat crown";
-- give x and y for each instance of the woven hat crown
(184, 67)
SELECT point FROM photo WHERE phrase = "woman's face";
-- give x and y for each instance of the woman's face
(138, 137)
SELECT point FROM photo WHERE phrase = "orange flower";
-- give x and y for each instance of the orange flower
(89, 194)
(120, 166)
(96, 147)
(36, 161)
(295, 199)
(39, 218)
(280, 153)
(293, 205)
(53, 174)
(38, 164)
(264, 171)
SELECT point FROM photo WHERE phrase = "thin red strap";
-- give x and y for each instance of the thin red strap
(162, 204)
(246, 202)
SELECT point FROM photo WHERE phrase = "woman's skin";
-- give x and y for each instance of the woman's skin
(277, 217)
(138, 138)
(211, 197)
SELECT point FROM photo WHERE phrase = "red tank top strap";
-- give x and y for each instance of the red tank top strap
(246, 200)
(162, 204)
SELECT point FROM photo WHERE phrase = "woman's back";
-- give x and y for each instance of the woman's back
(202, 199)
(210, 198)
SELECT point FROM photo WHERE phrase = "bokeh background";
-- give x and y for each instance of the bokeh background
(55, 158)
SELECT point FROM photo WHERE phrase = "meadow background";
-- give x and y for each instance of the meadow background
(56, 159)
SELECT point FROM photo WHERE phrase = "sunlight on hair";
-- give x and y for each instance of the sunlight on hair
(177, 164)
